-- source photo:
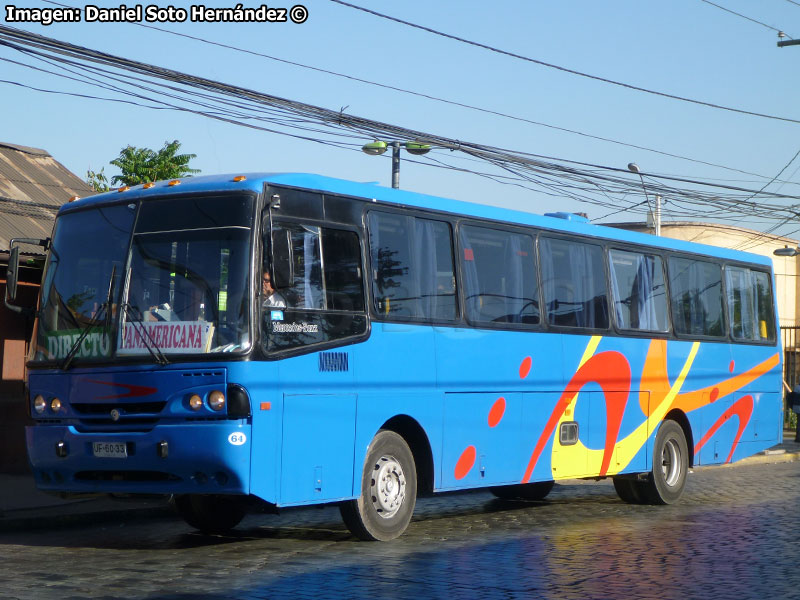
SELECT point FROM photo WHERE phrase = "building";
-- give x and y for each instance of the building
(33, 185)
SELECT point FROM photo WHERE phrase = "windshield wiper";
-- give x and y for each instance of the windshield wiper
(147, 339)
(105, 308)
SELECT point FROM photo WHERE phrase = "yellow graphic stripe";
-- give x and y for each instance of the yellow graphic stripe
(579, 461)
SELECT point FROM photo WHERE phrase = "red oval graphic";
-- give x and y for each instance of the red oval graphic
(525, 367)
(714, 394)
(731, 366)
(465, 462)
(497, 411)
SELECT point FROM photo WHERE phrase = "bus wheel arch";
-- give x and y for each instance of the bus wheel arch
(416, 438)
(681, 419)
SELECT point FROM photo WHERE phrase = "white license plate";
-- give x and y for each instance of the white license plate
(110, 449)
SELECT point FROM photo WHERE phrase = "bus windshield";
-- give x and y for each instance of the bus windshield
(177, 281)
(87, 247)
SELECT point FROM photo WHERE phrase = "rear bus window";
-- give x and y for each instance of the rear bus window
(696, 295)
(750, 304)
(574, 284)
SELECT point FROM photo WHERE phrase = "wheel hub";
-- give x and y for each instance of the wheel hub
(388, 486)
(671, 462)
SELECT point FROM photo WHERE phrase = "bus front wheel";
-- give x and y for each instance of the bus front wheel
(384, 507)
(210, 514)
(670, 465)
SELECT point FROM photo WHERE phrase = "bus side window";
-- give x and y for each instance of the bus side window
(696, 297)
(412, 267)
(637, 284)
(573, 279)
(499, 276)
(343, 287)
(325, 301)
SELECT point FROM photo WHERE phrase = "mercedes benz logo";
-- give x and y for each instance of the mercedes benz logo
(115, 415)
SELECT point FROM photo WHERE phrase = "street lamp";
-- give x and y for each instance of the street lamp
(656, 214)
(786, 251)
(378, 147)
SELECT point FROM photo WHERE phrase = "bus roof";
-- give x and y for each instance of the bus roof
(254, 182)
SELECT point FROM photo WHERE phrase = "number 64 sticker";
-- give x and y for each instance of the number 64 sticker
(237, 439)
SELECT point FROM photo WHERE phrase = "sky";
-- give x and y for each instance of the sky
(687, 48)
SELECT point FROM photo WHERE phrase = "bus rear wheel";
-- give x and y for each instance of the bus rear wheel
(210, 514)
(670, 465)
(388, 495)
(524, 491)
(631, 490)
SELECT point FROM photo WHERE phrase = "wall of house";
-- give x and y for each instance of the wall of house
(15, 332)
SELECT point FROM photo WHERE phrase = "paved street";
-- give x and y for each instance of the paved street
(736, 534)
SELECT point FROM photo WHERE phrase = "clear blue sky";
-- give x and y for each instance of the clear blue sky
(683, 47)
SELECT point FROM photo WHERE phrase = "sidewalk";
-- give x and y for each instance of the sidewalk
(23, 507)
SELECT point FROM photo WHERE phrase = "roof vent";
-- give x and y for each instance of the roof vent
(567, 216)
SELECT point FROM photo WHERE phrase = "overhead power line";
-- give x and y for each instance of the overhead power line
(585, 182)
(567, 70)
(430, 97)
(728, 10)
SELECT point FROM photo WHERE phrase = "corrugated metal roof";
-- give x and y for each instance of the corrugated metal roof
(33, 185)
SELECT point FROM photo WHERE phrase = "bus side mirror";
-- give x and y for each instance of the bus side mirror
(12, 276)
(282, 263)
(12, 271)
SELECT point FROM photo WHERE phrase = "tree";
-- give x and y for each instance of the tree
(98, 180)
(143, 165)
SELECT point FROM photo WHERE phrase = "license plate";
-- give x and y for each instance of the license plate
(110, 449)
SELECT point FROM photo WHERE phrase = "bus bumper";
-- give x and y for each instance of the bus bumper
(189, 458)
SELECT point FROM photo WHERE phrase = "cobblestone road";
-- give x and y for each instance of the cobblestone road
(736, 534)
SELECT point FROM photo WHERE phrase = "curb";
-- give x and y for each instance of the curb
(767, 458)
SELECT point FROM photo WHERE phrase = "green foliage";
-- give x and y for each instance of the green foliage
(790, 419)
(98, 180)
(142, 165)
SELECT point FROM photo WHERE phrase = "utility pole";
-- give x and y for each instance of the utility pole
(658, 215)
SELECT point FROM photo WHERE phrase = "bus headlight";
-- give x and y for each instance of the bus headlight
(195, 402)
(216, 400)
(55, 405)
(39, 404)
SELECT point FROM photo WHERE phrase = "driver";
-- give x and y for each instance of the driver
(272, 298)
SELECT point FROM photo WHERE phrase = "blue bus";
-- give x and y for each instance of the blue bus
(292, 339)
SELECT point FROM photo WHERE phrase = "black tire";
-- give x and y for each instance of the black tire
(524, 491)
(211, 514)
(384, 508)
(670, 465)
(631, 490)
